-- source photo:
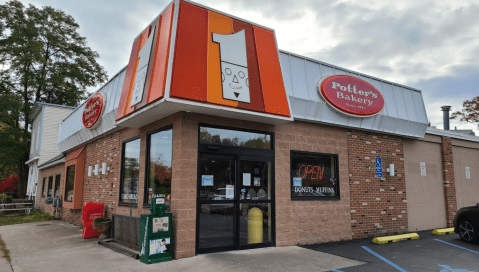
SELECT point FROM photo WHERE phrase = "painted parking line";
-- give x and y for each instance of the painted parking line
(447, 268)
(470, 250)
(384, 259)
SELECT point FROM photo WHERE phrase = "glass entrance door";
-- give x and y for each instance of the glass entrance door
(217, 203)
(234, 202)
(255, 221)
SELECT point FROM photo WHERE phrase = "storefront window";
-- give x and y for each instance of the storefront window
(314, 176)
(57, 184)
(160, 146)
(70, 183)
(50, 184)
(43, 187)
(210, 135)
(130, 172)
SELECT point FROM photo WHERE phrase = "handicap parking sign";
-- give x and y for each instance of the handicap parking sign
(379, 167)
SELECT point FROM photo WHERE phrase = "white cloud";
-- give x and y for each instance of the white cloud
(415, 43)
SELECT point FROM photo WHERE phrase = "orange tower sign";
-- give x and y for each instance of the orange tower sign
(193, 54)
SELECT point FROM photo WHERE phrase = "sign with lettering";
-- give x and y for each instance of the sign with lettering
(93, 110)
(379, 167)
(314, 176)
(351, 95)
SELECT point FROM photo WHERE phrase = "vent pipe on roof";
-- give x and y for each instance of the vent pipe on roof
(445, 113)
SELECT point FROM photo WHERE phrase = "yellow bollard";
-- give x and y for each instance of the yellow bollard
(255, 226)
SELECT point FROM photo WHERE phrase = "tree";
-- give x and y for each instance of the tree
(43, 59)
(470, 113)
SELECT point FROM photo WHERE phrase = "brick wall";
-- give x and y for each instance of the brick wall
(449, 180)
(103, 188)
(378, 205)
(46, 173)
(65, 214)
(308, 222)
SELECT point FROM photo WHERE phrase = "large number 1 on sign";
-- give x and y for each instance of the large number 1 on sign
(234, 66)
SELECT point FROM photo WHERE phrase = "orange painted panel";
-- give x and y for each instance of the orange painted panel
(160, 64)
(274, 93)
(130, 70)
(189, 77)
(220, 24)
(256, 94)
(142, 38)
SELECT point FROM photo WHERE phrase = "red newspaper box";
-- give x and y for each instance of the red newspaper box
(90, 212)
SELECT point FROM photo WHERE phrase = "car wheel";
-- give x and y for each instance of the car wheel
(467, 232)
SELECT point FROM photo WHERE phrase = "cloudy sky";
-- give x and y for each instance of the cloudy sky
(429, 45)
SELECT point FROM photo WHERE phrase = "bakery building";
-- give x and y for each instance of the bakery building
(210, 114)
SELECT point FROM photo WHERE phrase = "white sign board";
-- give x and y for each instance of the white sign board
(230, 191)
(246, 179)
(160, 224)
(423, 169)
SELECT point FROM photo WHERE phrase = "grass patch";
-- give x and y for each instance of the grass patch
(21, 217)
(5, 252)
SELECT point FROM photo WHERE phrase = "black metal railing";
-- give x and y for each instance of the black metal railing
(126, 230)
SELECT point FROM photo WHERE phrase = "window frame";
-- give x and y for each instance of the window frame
(337, 196)
(66, 183)
(43, 186)
(146, 203)
(50, 182)
(59, 185)
(122, 172)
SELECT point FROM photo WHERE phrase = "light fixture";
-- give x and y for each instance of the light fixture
(103, 168)
(391, 170)
(89, 170)
(96, 169)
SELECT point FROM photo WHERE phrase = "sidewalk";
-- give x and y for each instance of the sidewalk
(58, 246)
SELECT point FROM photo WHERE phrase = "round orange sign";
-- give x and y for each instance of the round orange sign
(93, 110)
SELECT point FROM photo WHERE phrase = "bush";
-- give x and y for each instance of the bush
(5, 198)
(9, 185)
(101, 220)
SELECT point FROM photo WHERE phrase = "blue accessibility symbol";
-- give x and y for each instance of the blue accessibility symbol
(447, 268)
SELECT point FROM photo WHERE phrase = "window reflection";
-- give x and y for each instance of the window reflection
(131, 172)
(69, 184)
(234, 138)
(159, 178)
(57, 185)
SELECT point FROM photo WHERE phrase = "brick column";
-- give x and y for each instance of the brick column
(448, 178)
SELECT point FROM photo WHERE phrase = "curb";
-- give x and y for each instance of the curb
(443, 231)
(395, 238)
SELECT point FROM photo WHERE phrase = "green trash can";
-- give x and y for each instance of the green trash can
(156, 241)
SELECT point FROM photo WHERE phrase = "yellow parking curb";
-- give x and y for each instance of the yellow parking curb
(395, 238)
(443, 231)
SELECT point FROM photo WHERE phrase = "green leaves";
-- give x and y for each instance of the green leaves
(470, 113)
(43, 58)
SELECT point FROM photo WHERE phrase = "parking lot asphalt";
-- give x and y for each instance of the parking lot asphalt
(429, 253)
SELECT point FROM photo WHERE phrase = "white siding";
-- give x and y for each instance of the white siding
(35, 129)
(51, 118)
